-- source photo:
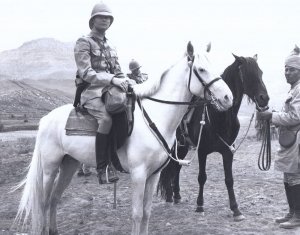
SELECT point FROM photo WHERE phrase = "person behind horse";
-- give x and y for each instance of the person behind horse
(288, 160)
(98, 67)
(136, 73)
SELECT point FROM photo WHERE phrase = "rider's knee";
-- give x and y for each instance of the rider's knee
(105, 125)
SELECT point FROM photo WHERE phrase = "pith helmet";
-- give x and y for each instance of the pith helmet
(100, 9)
(133, 65)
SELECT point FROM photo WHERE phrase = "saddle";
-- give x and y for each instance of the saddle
(182, 132)
(81, 123)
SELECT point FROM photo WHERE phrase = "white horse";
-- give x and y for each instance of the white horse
(56, 156)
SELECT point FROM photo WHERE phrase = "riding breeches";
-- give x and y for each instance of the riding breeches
(103, 118)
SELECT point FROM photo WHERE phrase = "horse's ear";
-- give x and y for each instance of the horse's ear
(297, 50)
(208, 47)
(190, 49)
(237, 58)
(255, 57)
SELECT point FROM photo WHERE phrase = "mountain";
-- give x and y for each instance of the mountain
(44, 58)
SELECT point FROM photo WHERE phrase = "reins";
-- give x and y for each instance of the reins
(264, 157)
(231, 147)
(155, 130)
(163, 142)
(191, 103)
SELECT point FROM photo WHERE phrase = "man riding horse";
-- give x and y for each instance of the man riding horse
(98, 67)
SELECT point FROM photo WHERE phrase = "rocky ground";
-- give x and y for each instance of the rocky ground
(87, 208)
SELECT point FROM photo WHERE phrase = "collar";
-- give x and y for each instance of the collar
(295, 84)
(97, 35)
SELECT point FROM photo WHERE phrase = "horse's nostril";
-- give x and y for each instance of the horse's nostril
(226, 97)
(264, 97)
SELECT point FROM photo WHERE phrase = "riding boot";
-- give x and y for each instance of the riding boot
(105, 172)
(290, 200)
(295, 220)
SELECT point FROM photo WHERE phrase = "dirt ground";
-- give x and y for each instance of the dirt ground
(87, 208)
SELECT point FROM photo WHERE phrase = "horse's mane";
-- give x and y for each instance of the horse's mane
(232, 79)
(150, 86)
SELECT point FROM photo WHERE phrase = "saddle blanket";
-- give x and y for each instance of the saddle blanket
(79, 123)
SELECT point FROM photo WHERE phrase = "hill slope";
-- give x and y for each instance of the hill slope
(44, 58)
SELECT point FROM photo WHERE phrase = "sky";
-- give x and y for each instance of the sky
(156, 32)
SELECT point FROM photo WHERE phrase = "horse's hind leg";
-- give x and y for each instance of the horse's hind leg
(49, 175)
(201, 180)
(67, 169)
(227, 164)
(182, 152)
(176, 187)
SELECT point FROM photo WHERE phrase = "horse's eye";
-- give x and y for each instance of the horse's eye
(201, 70)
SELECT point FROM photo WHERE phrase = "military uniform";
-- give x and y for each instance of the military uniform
(140, 78)
(136, 74)
(97, 64)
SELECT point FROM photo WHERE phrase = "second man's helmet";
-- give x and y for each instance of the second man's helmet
(133, 65)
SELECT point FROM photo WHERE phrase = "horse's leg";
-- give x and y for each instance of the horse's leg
(49, 174)
(227, 164)
(169, 191)
(138, 178)
(176, 187)
(148, 197)
(182, 152)
(67, 169)
(201, 180)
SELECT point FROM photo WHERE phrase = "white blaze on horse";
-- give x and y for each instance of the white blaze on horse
(56, 156)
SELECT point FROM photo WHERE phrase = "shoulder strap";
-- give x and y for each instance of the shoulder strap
(102, 50)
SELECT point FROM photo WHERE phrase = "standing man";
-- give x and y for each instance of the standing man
(136, 73)
(97, 67)
(288, 159)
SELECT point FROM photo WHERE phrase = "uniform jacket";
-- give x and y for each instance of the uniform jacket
(97, 63)
(288, 159)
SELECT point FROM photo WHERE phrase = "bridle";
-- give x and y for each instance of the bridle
(206, 86)
(258, 108)
(152, 125)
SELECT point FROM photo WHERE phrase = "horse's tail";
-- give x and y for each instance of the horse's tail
(169, 172)
(32, 197)
(165, 180)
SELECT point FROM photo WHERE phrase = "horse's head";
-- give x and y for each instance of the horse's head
(251, 77)
(203, 81)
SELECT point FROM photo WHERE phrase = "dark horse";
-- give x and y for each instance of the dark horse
(219, 133)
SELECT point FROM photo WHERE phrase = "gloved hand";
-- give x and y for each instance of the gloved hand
(120, 82)
(264, 115)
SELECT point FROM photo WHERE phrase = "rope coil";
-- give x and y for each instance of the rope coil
(264, 157)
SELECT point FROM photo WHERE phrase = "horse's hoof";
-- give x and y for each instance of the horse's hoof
(239, 218)
(177, 200)
(51, 232)
(170, 200)
(200, 209)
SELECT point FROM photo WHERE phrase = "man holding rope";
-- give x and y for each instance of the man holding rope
(288, 159)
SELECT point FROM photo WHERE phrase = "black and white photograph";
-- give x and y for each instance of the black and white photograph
(149, 117)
